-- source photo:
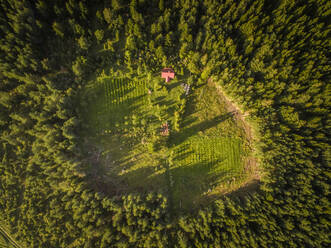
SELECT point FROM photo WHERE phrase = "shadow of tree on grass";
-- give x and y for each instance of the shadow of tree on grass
(180, 137)
(183, 185)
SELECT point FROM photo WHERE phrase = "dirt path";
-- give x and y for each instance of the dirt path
(251, 163)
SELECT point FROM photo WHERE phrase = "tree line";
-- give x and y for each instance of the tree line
(270, 57)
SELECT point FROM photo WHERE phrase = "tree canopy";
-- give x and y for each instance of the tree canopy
(270, 57)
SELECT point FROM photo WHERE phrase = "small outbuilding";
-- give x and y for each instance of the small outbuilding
(168, 74)
(164, 129)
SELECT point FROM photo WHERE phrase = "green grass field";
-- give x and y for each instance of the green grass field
(201, 158)
(202, 167)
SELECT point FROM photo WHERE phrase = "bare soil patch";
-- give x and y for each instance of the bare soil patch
(251, 163)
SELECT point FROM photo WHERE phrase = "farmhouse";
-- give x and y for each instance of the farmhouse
(168, 74)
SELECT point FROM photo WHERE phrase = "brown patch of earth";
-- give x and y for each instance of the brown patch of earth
(251, 163)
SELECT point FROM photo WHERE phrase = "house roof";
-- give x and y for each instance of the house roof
(168, 74)
(168, 70)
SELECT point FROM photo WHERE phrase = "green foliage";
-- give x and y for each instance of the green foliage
(269, 57)
(79, 66)
(99, 34)
(6, 241)
(58, 29)
(83, 43)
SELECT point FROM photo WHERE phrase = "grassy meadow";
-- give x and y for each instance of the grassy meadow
(201, 158)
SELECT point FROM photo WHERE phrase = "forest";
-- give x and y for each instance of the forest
(270, 57)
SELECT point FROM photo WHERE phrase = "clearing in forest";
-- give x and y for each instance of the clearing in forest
(202, 158)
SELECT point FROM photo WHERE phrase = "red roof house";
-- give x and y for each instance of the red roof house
(168, 74)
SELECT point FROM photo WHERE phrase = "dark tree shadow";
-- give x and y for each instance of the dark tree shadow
(126, 107)
(191, 182)
(158, 99)
(183, 185)
(250, 187)
(259, 76)
(166, 102)
(173, 85)
(188, 121)
(180, 137)
(183, 155)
